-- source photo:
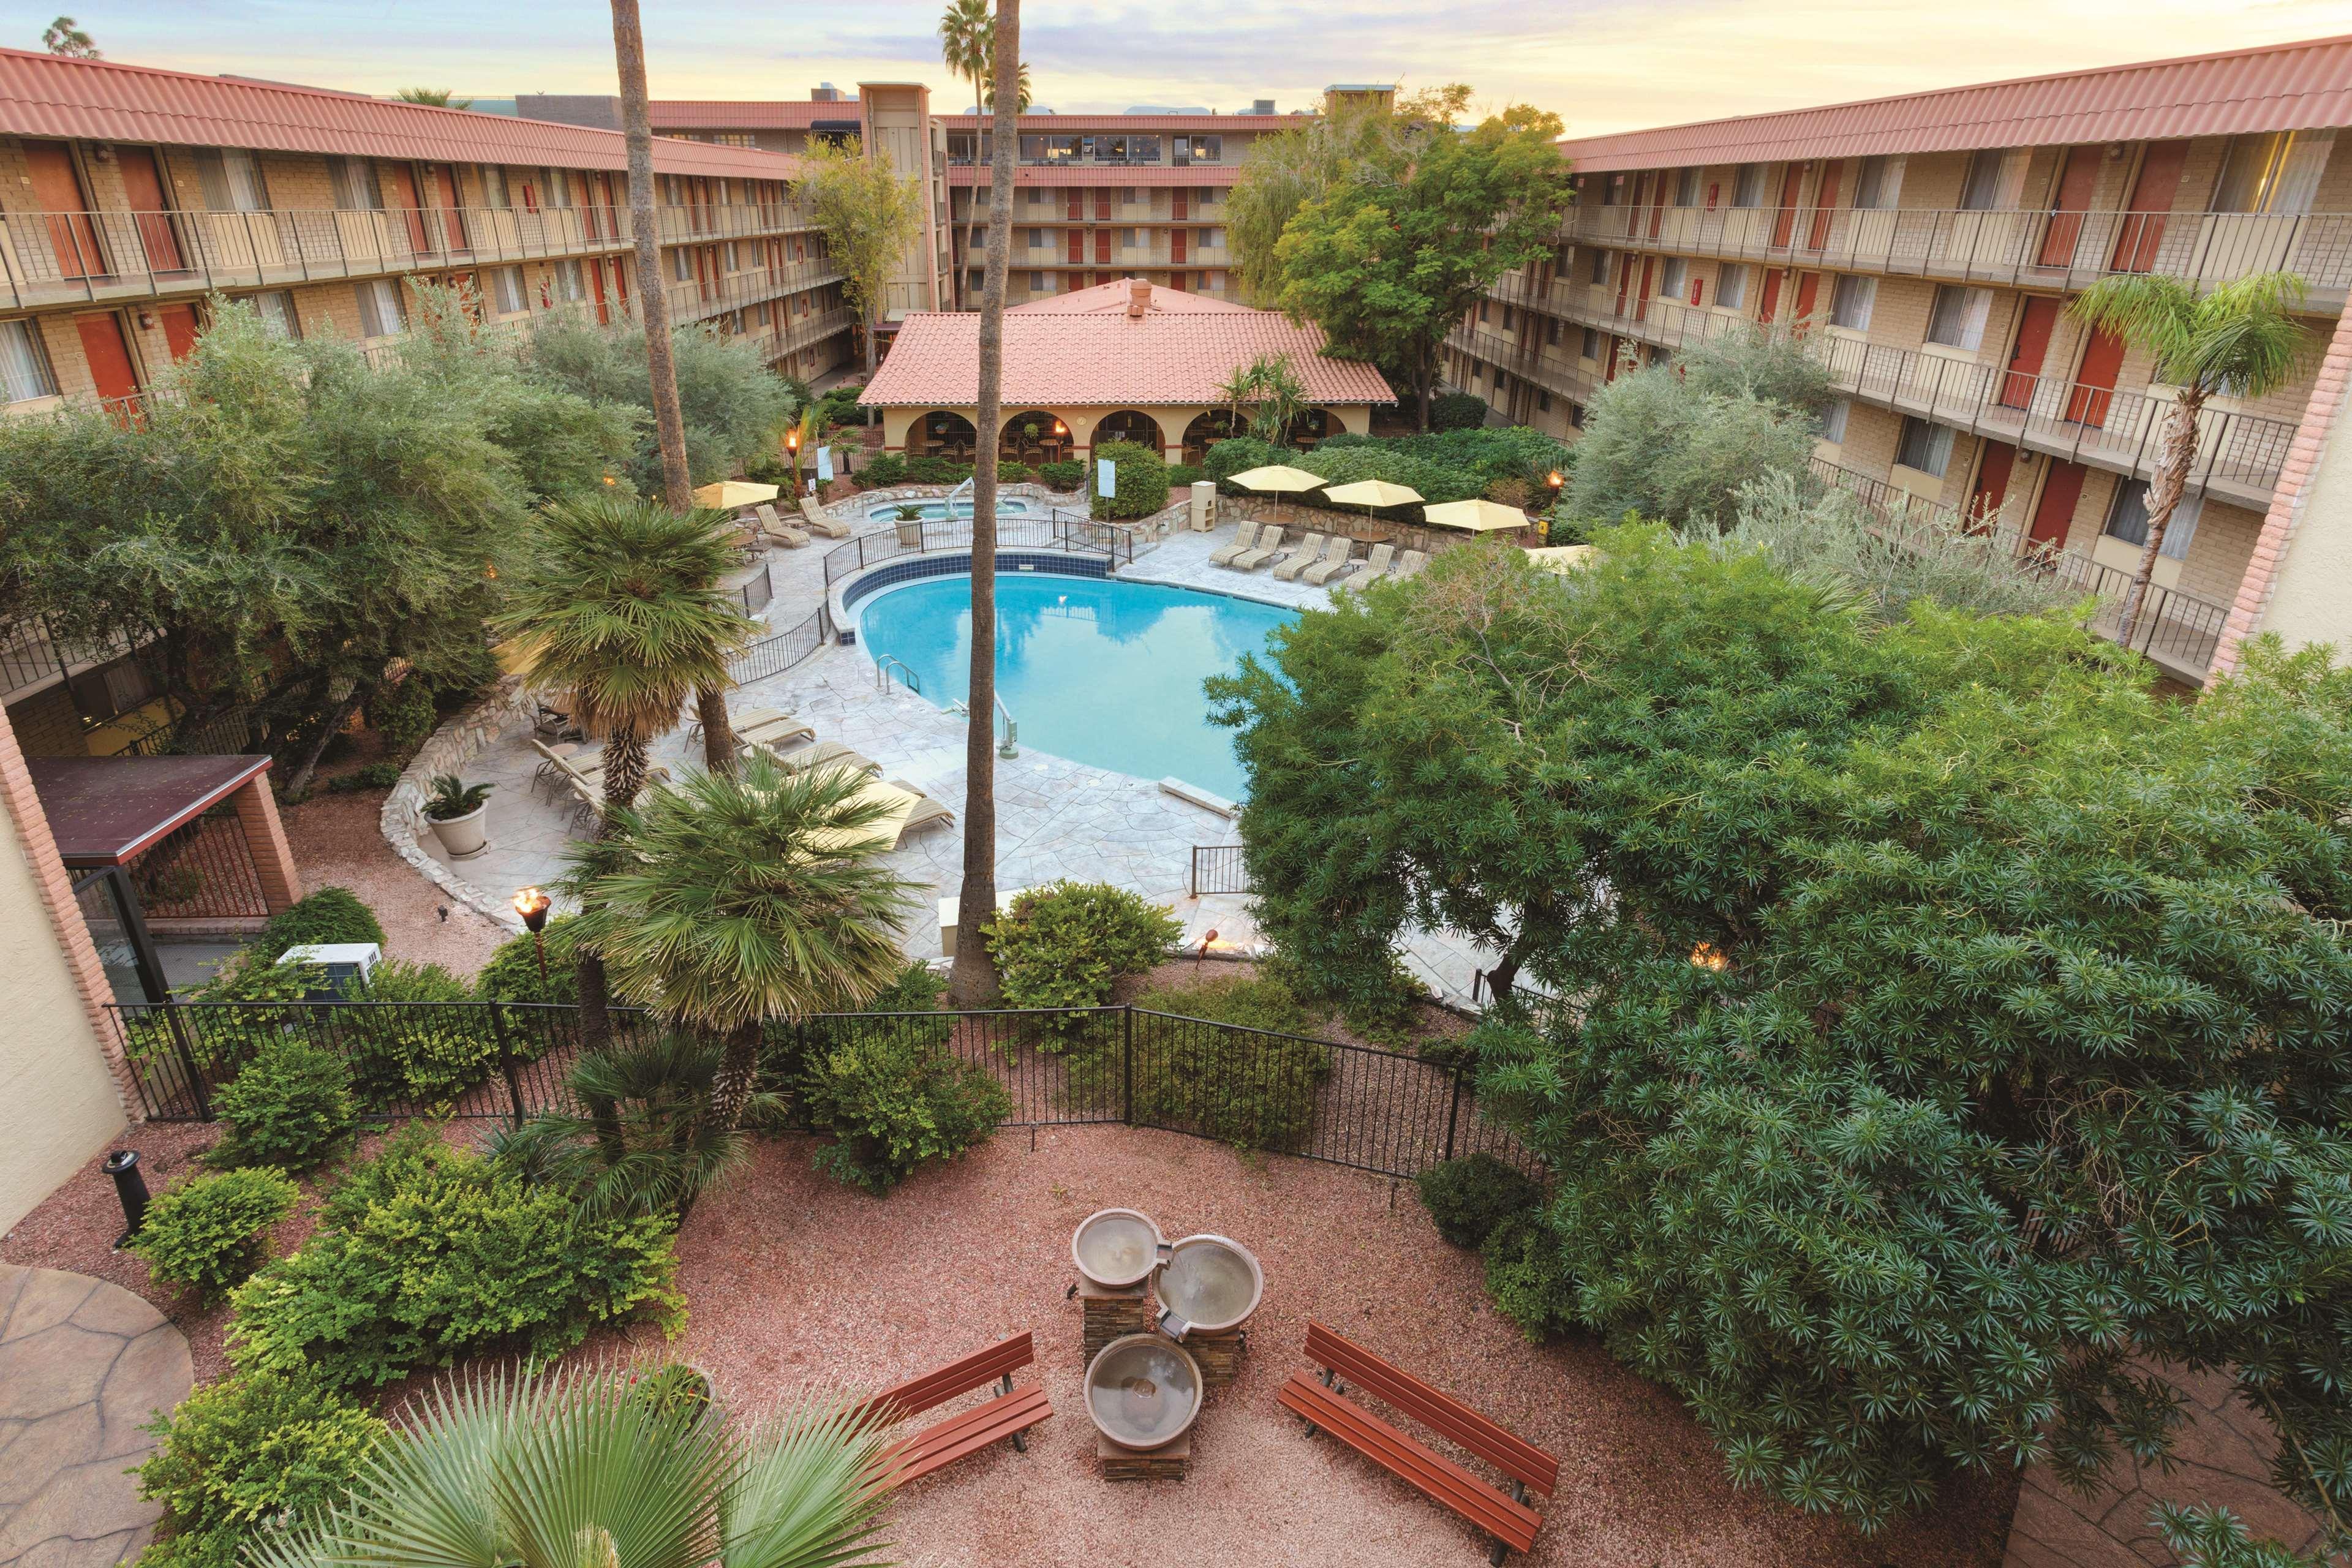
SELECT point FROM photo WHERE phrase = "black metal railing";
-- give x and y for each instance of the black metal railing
(1219, 868)
(202, 869)
(754, 593)
(774, 654)
(1358, 1106)
(1055, 530)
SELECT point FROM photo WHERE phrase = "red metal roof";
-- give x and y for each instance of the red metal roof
(103, 811)
(1107, 360)
(104, 101)
(1111, 299)
(1097, 175)
(1080, 123)
(2283, 87)
(720, 114)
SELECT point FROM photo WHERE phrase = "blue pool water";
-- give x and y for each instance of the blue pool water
(1092, 669)
(935, 510)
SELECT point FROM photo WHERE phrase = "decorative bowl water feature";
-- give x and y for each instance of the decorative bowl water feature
(1207, 1284)
(1117, 1248)
(1143, 1391)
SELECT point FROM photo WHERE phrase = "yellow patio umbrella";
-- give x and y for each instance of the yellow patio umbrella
(1279, 478)
(1370, 493)
(1560, 558)
(729, 495)
(1480, 516)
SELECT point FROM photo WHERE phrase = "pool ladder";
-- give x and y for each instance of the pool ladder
(1009, 745)
(884, 665)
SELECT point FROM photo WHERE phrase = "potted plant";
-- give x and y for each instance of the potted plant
(456, 810)
(910, 527)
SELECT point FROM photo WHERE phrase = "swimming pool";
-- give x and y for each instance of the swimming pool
(933, 511)
(1092, 669)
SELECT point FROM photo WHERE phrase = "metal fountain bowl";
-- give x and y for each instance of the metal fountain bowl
(1143, 1391)
(1117, 1248)
(1208, 1284)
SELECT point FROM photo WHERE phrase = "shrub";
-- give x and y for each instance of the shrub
(272, 1449)
(404, 716)
(330, 914)
(1237, 455)
(1182, 476)
(788, 1048)
(1468, 1199)
(1013, 473)
(422, 1055)
(428, 1253)
(1657, 446)
(1259, 1001)
(893, 1098)
(289, 1106)
(1141, 478)
(374, 775)
(1524, 1277)
(1063, 944)
(1065, 475)
(208, 1231)
(928, 470)
(1232, 1084)
(1457, 410)
(882, 470)
(512, 973)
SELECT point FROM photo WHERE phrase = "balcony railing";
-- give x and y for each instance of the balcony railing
(2238, 455)
(2009, 244)
(50, 258)
(30, 656)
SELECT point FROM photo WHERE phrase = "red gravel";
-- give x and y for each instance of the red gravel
(337, 843)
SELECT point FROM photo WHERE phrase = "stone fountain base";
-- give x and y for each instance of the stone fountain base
(1220, 1356)
(1111, 1312)
(1171, 1463)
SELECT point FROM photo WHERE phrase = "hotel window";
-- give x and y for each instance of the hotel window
(278, 318)
(1981, 192)
(2127, 520)
(24, 367)
(231, 180)
(734, 258)
(381, 313)
(1209, 238)
(1127, 238)
(1589, 346)
(1958, 318)
(1834, 421)
(681, 266)
(1686, 188)
(1576, 415)
(1674, 280)
(1553, 333)
(1731, 286)
(571, 284)
(559, 189)
(355, 183)
(1877, 182)
(1543, 401)
(2274, 174)
(1036, 282)
(507, 294)
(1190, 149)
(1748, 190)
(1598, 271)
(1851, 300)
(1506, 317)
(1925, 446)
(494, 186)
(1481, 312)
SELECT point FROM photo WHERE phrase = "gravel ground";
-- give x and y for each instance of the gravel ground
(337, 843)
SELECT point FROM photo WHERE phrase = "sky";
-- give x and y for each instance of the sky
(1600, 65)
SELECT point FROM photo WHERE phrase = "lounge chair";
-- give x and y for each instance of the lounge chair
(928, 813)
(769, 727)
(1411, 562)
(1269, 545)
(822, 754)
(553, 768)
(1298, 560)
(819, 520)
(1376, 564)
(1338, 561)
(587, 804)
(1245, 540)
(777, 528)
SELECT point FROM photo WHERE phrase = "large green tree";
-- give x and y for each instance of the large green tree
(869, 215)
(1401, 223)
(1954, 1026)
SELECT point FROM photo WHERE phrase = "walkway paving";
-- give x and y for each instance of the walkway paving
(83, 1365)
(1056, 818)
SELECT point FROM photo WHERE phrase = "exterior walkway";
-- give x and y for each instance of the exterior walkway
(83, 1366)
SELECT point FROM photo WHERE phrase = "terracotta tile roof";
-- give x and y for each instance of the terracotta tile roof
(1097, 174)
(1117, 360)
(44, 95)
(2285, 87)
(1173, 123)
(1111, 299)
(720, 114)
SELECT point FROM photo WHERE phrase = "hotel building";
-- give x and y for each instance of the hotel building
(1925, 247)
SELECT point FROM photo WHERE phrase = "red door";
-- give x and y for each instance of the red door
(2080, 178)
(1642, 306)
(142, 186)
(1768, 304)
(1176, 246)
(412, 207)
(2033, 327)
(1102, 246)
(1809, 288)
(453, 218)
(1824, 199)
(1077, 206)
(596, 288)
(2151, 198)
(2054, 513)
(1179, 207)
(111, 368)
(1078, 246)
(179, 322)
(1657, 202)
(2094, 383)
(1102, 205)
(57, 187)
(1784, 221)
(1624, 280)
(1992, 486)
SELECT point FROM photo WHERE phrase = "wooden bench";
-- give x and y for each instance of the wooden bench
(1010, 1415)
(1506, 1517)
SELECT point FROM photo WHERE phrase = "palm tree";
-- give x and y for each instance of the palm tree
(967, 33)
(1022, 98)
(580, 1469)
(2241, 339)
(669, 418)
(435, 97)
(973, 982)
(730, 900)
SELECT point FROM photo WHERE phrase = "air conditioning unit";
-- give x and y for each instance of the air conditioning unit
(345, 967)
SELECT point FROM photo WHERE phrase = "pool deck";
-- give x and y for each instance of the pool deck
(1054, 818)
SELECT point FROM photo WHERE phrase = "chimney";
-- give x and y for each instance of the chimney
(1139, 297)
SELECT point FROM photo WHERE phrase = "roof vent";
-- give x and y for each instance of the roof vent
(1138, 296)
(825, 93)
(1263, 105)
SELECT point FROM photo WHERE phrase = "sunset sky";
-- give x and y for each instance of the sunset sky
(1601, 64)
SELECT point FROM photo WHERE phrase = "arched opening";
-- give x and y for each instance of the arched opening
(942, 432)
(1311, 427)
(1206, 431)
(1127, 425)
(1034, 437)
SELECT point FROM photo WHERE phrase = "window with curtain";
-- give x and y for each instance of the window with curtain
(23, 366)
(507, 295)
(1981, 191)
(1877, 182)
(1956, 319)
(356, 186)
(570, 283)
(681, 266)
(231, 180)
(1589, 347)
(1925, 446)
(276, 308)
(1599, 272)
(1834, 421)
(1674, 282)
(559, 189)
(1731, 286)
(380, 312)
(1747, 189)
(1851, 302)
(2127, 520)
(494, 186)
(1686, 187)
(2275, 173)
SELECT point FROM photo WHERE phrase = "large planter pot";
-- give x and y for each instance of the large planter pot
(463, 837)
(911, 535)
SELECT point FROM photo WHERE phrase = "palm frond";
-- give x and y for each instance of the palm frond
(807, 1496)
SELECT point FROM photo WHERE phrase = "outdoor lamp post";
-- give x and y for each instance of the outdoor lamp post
(1552, 482)
(793, 446)
(130, 1187)
(531, 904)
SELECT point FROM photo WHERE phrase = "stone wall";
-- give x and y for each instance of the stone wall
(451, 747)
